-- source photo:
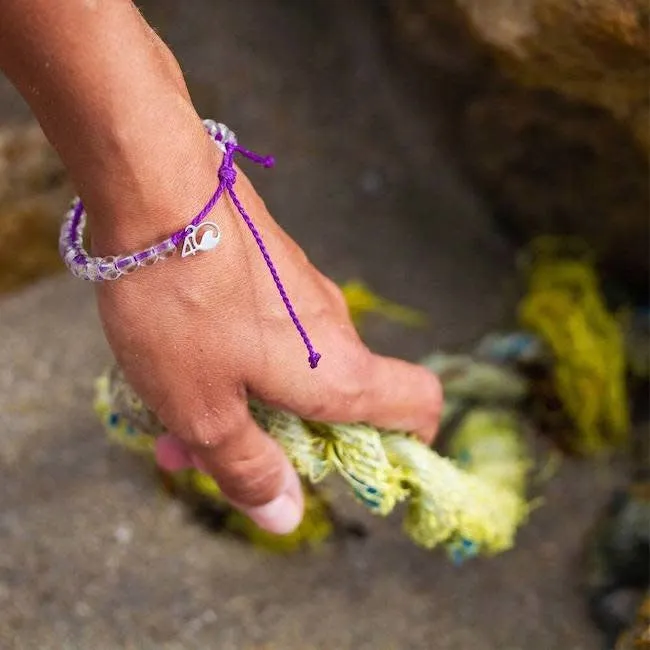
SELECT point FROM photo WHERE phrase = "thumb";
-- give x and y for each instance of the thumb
(251, 470)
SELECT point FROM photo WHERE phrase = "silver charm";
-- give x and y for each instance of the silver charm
(208, 240)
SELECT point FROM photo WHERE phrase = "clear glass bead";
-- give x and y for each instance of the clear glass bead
(64, 235)
(146, 257)
(211, 127)
(78, 269)
(64, 245)
(126, 264)
(70, 255)
(165, 249)
(92, 269)
(227, 135)
(107, 269)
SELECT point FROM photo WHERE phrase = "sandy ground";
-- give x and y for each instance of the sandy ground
(94, 557)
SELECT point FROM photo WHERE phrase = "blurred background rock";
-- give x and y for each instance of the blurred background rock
(549, 112)
(33, 195)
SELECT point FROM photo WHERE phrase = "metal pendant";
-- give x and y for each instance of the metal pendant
(195, 242)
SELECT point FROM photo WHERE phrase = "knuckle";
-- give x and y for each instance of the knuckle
(302, 259)
(353, 387)
(350, 390)
(433, 404)
(335, 294)
(252, 481)
(297, 253)
(436, 389)
(344, 394)
(321, 408)
(210, 429)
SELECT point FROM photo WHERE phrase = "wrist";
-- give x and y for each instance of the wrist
(111, 267)
(152, 179)
(132, 143)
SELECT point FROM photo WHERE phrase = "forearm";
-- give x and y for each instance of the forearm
(112, 101)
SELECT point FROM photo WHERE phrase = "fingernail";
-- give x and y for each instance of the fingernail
(280, 516)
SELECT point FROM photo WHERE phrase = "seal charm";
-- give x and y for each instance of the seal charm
(209, 240)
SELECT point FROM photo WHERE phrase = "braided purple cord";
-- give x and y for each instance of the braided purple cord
(178, 237)
(265, 161)
(228, 175)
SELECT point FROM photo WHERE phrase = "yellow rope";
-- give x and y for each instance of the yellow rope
(474, 504)
(137, 433)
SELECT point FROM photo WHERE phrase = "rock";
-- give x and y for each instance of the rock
(437, 32)
(548, 113)
(595, 51)
(550, 165)
(34, 194)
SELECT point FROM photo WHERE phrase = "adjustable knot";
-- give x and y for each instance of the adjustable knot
(227, 175)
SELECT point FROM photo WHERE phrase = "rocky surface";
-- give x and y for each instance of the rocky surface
(597, 51)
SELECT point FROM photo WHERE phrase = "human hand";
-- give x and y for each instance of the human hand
(196, 337)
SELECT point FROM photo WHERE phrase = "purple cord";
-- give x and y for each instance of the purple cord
(74, 227)
(227, 176)
(178, 237)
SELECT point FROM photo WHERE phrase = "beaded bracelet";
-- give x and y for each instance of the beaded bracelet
(197, 236)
